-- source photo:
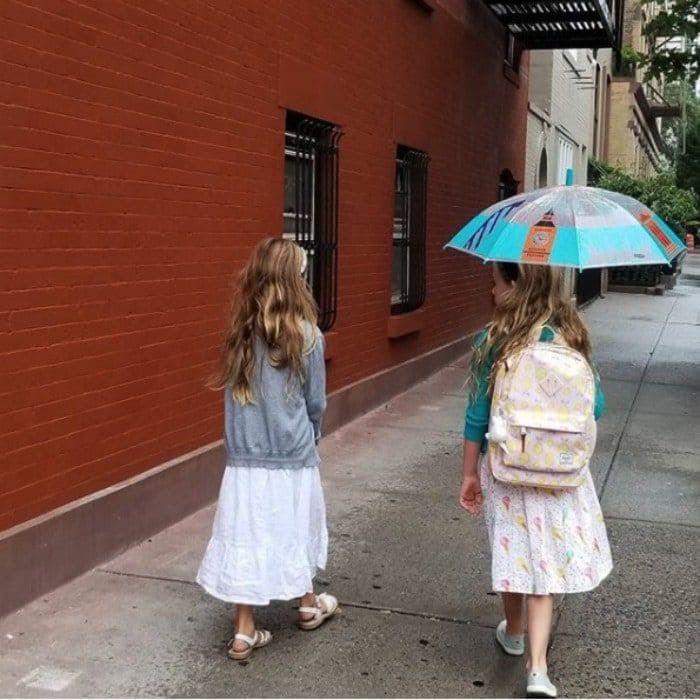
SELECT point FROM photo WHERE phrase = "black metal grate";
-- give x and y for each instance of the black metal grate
(588, 285)
(311, 205)
(636, 276)
(553, 24)
(409, 232)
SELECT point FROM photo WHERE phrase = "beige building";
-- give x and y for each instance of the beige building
(567, 114)
(560, 116)
(634, 142)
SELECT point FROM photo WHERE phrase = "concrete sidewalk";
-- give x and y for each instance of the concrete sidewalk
(410, 568)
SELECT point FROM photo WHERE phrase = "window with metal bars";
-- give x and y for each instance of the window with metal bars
(507, 184)
(410, 216)
(310, 216)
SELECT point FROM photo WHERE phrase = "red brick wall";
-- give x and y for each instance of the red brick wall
(141, 158)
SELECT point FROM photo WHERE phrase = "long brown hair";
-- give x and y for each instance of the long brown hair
(272, 302)
(536, 298)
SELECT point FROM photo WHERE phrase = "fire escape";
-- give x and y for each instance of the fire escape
(591, 24)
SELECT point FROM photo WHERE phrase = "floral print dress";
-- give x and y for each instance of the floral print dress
(542, 541)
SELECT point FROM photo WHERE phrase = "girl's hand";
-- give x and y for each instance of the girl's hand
(470, 497)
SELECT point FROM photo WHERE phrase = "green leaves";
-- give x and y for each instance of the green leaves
(673, 38)
(674, 205)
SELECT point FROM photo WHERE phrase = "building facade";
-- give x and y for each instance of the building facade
(565, 112)
(560, 116)
(146, 150)
(634, 141)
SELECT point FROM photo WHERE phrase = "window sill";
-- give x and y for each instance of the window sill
(331, 338)
(511, 75)
(401, 325)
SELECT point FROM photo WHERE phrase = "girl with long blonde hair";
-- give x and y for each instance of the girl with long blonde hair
(543, 542)
(269, 536)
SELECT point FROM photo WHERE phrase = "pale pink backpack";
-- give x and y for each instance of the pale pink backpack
(542, 431)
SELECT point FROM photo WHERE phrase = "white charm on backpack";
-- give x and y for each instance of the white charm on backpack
(542, 432)
(498, 430)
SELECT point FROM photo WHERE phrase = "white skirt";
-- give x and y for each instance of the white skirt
(269, 537)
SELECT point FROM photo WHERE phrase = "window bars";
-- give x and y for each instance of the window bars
(311, 205)
(409, 231)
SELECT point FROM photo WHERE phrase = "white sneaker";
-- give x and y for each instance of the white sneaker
(539, 685)
(512, 644)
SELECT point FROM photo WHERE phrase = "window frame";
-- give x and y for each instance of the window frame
(513, 52)
(315, 212)
(565, 159)
(409, 231)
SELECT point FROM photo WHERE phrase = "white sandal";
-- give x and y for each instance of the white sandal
(320, 614)
(261, 638)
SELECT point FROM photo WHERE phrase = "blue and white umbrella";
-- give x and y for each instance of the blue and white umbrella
(569, 226)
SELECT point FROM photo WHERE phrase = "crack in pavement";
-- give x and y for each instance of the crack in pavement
(149, 577)
(630, 411)
(348, 604)
(665, 523)
(620, 437)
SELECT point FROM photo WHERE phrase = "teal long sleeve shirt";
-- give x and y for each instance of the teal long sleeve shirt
(478, 411)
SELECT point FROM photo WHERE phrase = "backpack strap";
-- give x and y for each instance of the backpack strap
(538, 330)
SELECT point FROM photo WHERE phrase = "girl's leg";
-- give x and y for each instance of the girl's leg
(539, 625)
(513, 608)
(244, 624)
(308, 600)
(317, 610)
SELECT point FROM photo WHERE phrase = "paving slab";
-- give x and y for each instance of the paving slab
(616, 360)
(631, 307)
(421, 412)
(619, 395)
(677, 357)
(650, 599)
(660, 432)
(653, 486)
(600, 465)
(677, 401)
(685, 313)
(159, 638)
(585, 668)
(389, 571)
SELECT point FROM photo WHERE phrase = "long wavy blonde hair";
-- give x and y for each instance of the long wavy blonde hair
(272, 301)
(536, 298)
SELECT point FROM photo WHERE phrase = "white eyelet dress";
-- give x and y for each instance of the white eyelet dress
(269, 537)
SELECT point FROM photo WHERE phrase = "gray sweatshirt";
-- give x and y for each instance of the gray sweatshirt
(281, 430)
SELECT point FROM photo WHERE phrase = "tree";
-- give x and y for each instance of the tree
(688, 166)
(674, 205)
(673, 36)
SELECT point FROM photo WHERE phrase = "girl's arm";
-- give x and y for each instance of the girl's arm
(599, 407)
(315, 384)
(470, 497)
(476, 423)
(476, 419)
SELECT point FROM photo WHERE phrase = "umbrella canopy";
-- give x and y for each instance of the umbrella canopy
(569, 226)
